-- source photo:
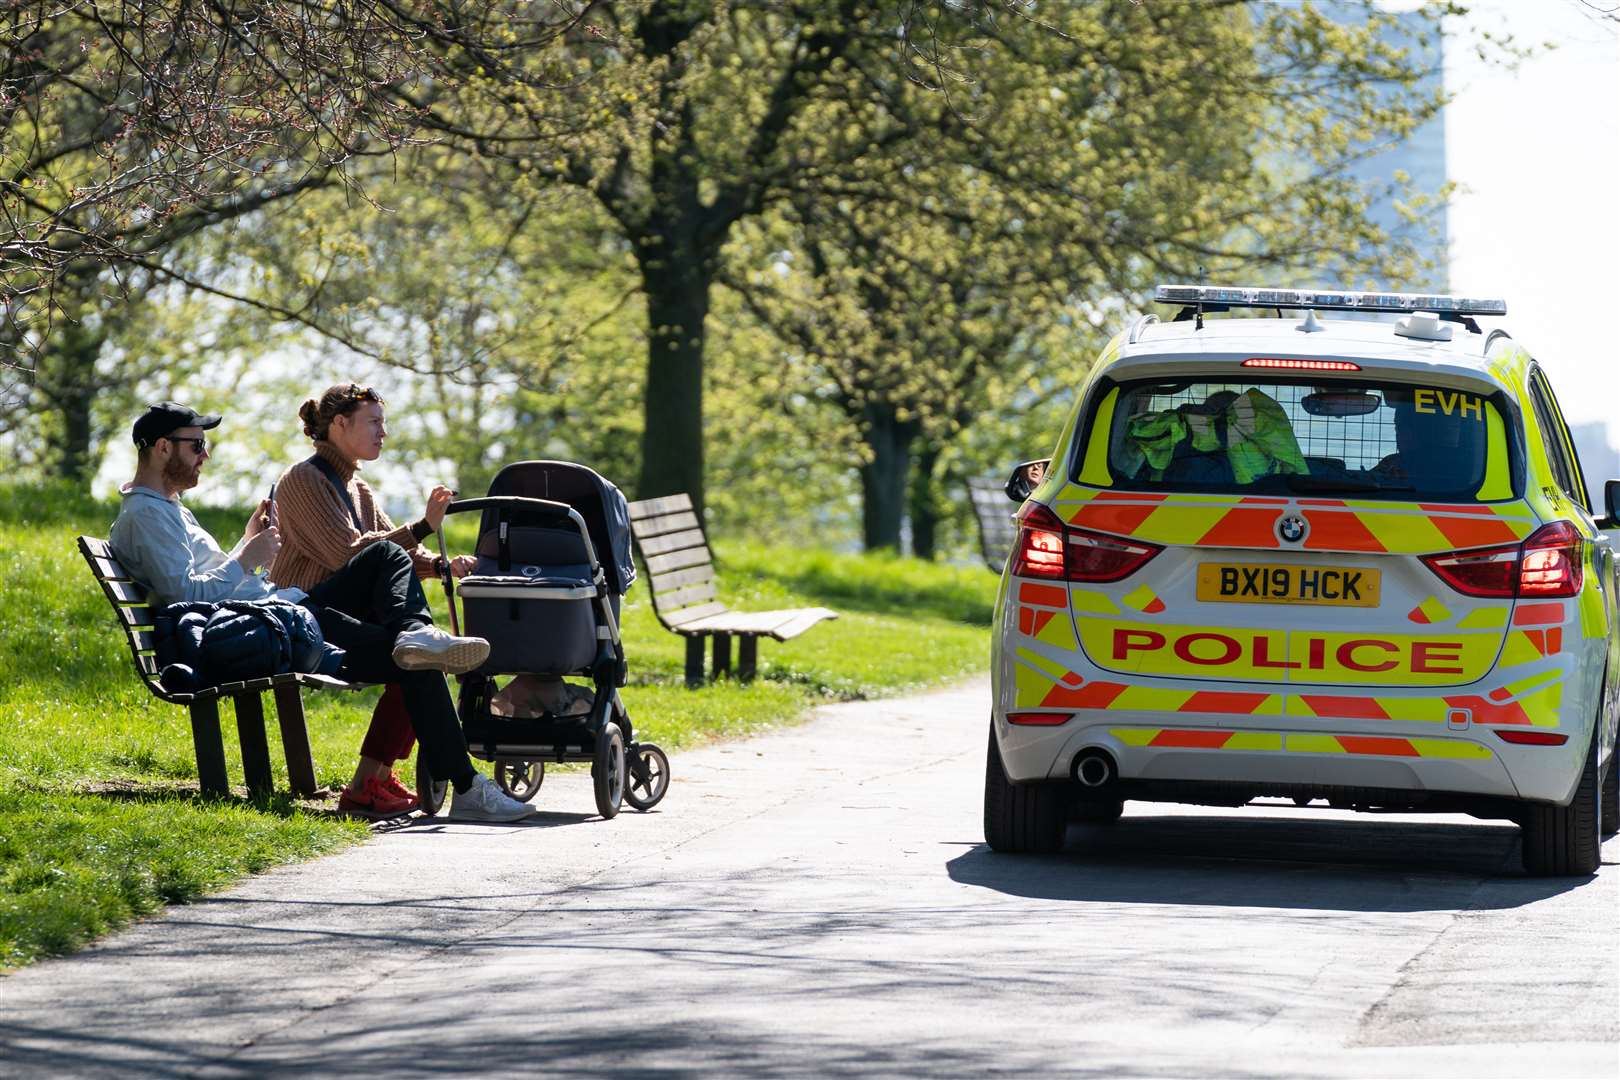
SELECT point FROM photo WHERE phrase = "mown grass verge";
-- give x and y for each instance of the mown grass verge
(99, 819)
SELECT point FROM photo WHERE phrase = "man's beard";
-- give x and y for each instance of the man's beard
(179, 475)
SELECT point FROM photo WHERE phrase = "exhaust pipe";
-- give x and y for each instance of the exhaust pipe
(1094, 769)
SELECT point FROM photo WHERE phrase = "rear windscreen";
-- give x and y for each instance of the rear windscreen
(1399, 441)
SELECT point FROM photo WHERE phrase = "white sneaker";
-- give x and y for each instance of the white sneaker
(431, 647)
(486, 802)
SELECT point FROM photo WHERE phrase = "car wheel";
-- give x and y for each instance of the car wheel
(1610, 810)
(1020, 817)
(1563, 841)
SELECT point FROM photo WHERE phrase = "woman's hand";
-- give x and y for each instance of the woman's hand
(438, 501)
(258, 520)
(461, 565)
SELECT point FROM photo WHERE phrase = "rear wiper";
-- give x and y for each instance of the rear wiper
(1320, 483)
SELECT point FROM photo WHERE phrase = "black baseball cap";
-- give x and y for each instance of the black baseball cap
(163, 417)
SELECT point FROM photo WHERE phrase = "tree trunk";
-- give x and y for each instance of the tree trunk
(672, 434)
(66, 380)
(923, 506)
(883, 478)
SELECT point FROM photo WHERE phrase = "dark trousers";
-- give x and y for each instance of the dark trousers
(362, 608)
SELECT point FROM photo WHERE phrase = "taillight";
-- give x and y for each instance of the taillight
(1548, 564)
(1040, 544)
(1551, 565)
(1050, 549)
(1038, 719)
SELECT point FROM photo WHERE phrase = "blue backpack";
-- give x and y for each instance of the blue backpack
(205, 644)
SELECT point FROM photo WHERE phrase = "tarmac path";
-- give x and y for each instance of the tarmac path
(819, 902)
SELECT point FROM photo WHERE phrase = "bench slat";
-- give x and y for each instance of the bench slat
(677, 559)
(674, 579)
(687, 597)
(146, 663)
(679, 620)
(136, 616)
(110, 569)
(672, 523)
(781, 625)
(657, 545)
(142, 640)
(91, 545)
(668, 504)
(125, 592)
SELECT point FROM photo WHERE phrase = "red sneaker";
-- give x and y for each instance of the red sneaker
(391, 784)
(373, 801)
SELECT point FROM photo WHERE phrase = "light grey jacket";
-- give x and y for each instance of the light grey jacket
(162, 546)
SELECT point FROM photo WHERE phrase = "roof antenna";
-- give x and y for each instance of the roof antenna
(1309, 325)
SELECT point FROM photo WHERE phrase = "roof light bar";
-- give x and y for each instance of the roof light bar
(1217, 296)
(1302, 365)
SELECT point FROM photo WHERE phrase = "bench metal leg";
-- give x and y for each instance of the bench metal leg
(722, 655)
(747, 657)
(694, 661)
(295, 740)
(210, 747)
(255, 748)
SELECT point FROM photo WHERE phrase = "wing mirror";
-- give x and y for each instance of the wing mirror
(1611, 505)
(1027, 477)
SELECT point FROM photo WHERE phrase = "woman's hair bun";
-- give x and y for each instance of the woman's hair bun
(310, 413)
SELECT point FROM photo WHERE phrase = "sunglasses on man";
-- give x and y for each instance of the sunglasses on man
(199, 444)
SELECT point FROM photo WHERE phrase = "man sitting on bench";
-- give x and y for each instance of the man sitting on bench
(373, 608)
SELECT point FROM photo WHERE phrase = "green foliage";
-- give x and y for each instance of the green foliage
(99, 822)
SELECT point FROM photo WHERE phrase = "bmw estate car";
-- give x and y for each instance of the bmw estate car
(1309, 556)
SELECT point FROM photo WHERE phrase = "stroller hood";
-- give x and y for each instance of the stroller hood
(595, 498)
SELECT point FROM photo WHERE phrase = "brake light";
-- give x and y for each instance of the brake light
(1533, 738)
(1551, 565)
(1040, 544)
(1547, 564)
(1301, 365)
(1047, 548)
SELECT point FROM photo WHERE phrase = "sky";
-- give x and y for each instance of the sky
(1538, 152)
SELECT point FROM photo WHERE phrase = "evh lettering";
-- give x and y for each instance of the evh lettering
(1215, 649)
(1448, 403)
(1275, 582)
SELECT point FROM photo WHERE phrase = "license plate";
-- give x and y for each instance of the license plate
(1263, 583)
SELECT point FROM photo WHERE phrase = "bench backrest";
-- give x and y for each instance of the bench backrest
(680, 570)
(129, 602)
(993, 511)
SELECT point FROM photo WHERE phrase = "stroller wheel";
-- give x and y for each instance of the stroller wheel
(520, 779)
(432, 792)
(607, 770)
(649, 776)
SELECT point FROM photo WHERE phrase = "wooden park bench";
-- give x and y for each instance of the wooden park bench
(680, 574)
(994, 513)
(134, 613)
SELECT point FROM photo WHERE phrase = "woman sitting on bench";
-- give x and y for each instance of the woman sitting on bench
(326, 515)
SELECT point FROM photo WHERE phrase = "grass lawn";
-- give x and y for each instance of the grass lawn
(99, 819)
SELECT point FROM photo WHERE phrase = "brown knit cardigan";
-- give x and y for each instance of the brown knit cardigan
(318, 535)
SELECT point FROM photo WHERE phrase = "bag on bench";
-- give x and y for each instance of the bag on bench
(204, 644)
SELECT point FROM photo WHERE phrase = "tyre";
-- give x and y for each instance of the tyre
(432, 792)
(520, 779)
(1096, 811)
(607, 770)
(1020, 817)
(1610, 810)
(1563, 841)
(649, 776)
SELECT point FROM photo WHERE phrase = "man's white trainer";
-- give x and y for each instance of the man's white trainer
(432, 648)
(486, 802)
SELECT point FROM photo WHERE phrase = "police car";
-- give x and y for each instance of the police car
(1310, 556)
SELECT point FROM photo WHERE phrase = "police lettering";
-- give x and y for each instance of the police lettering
(1441, 401)
(1212, 648)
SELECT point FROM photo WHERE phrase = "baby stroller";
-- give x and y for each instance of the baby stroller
(553, 560)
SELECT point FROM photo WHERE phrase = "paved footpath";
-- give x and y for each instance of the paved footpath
(819, 902)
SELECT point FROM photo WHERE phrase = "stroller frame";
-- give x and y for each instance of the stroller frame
(622, 769)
